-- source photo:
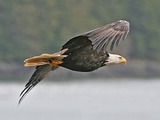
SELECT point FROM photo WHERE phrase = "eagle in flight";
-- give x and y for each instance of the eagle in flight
(85, 52)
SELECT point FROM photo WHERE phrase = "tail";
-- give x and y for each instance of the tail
(46, 63)
(51, 59)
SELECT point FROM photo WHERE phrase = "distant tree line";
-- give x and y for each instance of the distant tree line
(29, 27)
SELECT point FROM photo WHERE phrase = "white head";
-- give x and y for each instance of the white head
(115, 59)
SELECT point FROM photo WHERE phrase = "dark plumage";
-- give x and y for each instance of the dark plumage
(85, 53)
(81, 56)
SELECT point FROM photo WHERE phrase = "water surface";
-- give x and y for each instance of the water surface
(83, 100)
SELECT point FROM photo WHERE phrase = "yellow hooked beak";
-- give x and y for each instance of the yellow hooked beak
(123, 60)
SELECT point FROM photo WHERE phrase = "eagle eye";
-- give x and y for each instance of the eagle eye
(120, 57)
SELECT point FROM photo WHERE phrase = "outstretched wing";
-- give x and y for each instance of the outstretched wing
(111, 33)
(41, 72)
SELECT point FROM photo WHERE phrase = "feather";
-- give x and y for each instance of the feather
(114, 33)
(40, 73)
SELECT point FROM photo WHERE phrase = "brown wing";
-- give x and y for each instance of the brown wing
(111, 33)
(40, 73)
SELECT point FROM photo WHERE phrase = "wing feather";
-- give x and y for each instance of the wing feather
(40, 73)
(111, 33)
(105, 41)
(118, 38)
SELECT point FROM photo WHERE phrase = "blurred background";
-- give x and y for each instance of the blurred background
(33, 27)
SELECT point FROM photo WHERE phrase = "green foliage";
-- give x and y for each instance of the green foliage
(29, 27)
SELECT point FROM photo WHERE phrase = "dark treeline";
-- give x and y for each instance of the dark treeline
(32, 27)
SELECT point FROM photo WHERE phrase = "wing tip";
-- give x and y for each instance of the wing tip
(125, 22)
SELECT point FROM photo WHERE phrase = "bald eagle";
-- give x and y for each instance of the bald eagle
(85, 52)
